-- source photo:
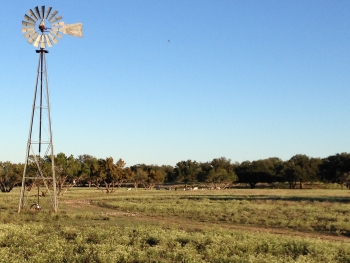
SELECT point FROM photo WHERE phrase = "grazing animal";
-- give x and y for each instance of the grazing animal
(129, 189)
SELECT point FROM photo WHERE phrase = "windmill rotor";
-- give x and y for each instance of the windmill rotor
(42, 27)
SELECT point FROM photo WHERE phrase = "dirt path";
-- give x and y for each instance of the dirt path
(193, 225)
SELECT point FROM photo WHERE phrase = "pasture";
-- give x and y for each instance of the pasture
(236, 225)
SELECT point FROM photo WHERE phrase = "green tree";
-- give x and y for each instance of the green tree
(170, 175)
(187, 171)
(10, 175)
(139, 175)
(98, 173)
(155, 176)
(301, 168)
(67, 171)
(147, 175)
(86, 161)
(110, 175)
(223, 163)
(114, 174)
(220, 179)
(260, 171)
(243, 173)
(335, 169)
(276, 167)
(128, 174)
(204, 171)
(123, 173)
(221, 173)
(291, 173)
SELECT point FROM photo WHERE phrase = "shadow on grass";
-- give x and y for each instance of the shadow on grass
(272, 198)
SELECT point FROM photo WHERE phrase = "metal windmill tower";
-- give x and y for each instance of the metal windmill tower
(42, 28)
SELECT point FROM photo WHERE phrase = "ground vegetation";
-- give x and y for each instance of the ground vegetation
(232, 225)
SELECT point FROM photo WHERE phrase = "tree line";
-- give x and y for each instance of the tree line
(220, 173)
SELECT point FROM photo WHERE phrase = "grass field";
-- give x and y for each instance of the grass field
(238, 225)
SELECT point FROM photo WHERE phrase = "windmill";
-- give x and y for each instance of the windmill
(42, 27)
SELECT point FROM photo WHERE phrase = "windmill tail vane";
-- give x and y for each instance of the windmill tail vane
(42, 27)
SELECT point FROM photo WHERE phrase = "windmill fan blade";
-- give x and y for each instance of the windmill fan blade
(73, 29)
(57, 24)
(48, 11)
(26, 17)
(32, 38)
(36, 43)
(25, 23)
(37, 12)
(48, 41)
(53, 38)
(56, 34)
(56, 19)
(31, 13)
(52, 15)
(27, 29)
(43, 12)
(29, 34)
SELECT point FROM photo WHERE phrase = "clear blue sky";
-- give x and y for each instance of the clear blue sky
(246, 80)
